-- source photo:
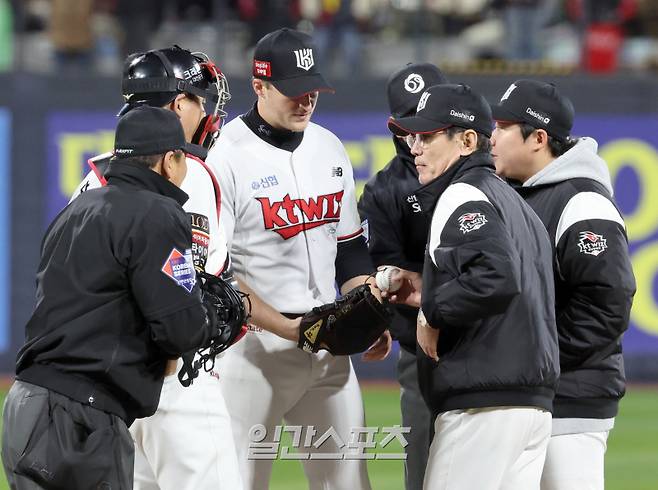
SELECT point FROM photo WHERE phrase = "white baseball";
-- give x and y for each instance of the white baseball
(384, 281)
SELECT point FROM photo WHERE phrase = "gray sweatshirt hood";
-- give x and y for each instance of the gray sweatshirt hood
(581, 161)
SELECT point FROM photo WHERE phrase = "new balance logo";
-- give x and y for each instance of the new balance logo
(304, 58)
(336, 171)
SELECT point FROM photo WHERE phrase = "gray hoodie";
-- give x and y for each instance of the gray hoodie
(581, 161)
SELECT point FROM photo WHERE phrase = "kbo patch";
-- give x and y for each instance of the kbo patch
(592, 244)
(180, 267)
(471, 221)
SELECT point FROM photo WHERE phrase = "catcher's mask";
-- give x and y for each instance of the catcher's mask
(157, 77)
(228, 319)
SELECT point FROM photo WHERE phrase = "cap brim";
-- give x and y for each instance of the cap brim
(191, 148)
(414, 125)
(298, 86)
(499, 113)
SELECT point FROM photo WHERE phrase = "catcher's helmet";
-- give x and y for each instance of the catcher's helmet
(156, 77)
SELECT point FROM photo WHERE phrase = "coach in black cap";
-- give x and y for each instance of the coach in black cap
(488, 358)
(115, 283)
(569, 186)
(397, 233)
(453, 110)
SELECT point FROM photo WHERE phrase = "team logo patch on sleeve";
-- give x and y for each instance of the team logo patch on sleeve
(200, 239)
(471, 221)
(180, 267)
(592, 244)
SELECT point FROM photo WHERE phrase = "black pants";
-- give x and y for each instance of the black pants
(52, 442)
(416, 415)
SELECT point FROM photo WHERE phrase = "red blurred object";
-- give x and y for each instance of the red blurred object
(248, 9)
(601, 47)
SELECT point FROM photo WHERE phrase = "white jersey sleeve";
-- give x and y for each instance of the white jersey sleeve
(204, 208)
(94, 178)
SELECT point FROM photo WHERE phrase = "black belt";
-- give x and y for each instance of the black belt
(292, 316)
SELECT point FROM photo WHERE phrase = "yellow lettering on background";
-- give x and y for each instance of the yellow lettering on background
(382, 151)
(645, 311)
(643, 159)
(373, 153)
(642, 223)
(72, 150)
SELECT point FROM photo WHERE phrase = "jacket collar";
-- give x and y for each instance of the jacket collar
(429, 194)
(279, 138)
(119, 172)
(403, 153)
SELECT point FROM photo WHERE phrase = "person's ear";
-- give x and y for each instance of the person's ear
(538, 140)
(468, 142)
(176, 105)
(541, 137)
(168, 165)
(259, 87)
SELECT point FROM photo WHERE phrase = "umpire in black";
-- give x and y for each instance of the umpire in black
(397, 233)
(115, 285)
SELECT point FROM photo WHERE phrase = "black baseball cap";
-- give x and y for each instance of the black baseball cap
(148, 130)
(287, 58)
(443, 106)
(405, 86)
(538, 104)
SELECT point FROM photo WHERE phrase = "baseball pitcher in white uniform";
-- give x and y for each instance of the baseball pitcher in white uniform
(289, 213)
(188, 443)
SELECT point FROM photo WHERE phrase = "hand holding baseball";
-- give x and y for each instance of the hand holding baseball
(388, 279)
(403, 286)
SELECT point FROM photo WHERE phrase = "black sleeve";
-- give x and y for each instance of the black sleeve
(171, 336)
(385, 236)
(472, 266)
(352, 260)
(594, 305)
(163, 281)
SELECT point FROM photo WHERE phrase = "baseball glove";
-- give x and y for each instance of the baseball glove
(227, 318)
(347, 326)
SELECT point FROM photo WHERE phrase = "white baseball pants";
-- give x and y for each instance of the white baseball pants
(266, 379)
(498, 448)
(188, 443)
(575, 462)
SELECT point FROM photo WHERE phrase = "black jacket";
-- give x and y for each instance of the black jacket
(397, 229)
(116, 295)
(488, 287)
(594, 280)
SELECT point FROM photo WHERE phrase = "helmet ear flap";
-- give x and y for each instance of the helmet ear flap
(207, 131)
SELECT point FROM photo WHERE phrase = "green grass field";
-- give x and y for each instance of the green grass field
(631, 460)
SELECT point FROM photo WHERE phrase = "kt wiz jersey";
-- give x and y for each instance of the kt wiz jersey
(203, 207)
(285, 212)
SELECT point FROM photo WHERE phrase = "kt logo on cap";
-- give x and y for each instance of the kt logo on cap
(304, 58)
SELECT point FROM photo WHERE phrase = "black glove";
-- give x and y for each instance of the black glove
(347, 326)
